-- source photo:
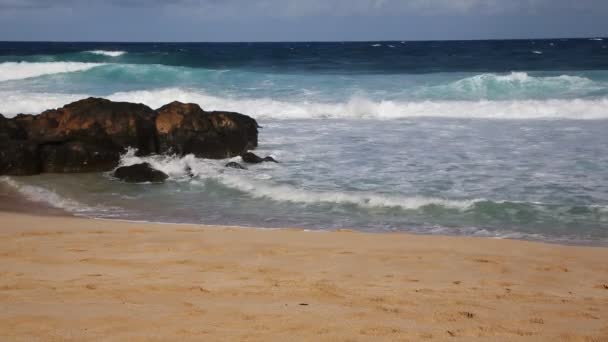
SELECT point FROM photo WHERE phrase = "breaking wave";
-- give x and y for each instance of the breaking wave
(213, 170)
(260, 186)
(516, 85)
(49, 197)
(107, 53)
(21, 70)
(355, 108)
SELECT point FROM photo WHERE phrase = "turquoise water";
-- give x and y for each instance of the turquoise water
(466, 138)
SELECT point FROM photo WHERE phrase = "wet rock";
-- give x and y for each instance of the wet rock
(189, 172)
(140, 173)
(76, 156)
(10, 130)
(95, 121)
(252, 158)
(185, 128)
(90, 135)
(235, 165)
(19, 158)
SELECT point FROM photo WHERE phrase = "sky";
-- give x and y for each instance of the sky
(299, 20)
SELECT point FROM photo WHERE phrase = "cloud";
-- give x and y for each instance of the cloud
(324, 7)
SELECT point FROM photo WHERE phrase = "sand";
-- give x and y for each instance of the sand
(70, 279)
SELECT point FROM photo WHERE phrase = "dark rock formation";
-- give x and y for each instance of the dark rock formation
(95, 121)
(140, 173)
(90, 135)
(19, 158)
(235, 165)
(189, 172)
(185, 128)
(78, 156)
(252, 158)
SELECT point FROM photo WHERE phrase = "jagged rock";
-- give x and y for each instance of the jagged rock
(10, 130)
(19, 158)
(252, 158)
(140, 173)
(184, 128)
(90, 135)
(76, 156)
(95, 121)
(235, 165)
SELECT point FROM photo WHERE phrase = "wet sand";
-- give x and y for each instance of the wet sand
(65, 279)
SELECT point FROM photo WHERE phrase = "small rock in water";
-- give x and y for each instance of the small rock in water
(252, 158)
(235, 165)
(270, 159)
(140, 173)
(189, 172)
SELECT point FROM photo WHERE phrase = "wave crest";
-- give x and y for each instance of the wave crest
(107, 53)
(49, 197)
(10, 71)
(516, 85)
(364, 108)
(214, 170)
(355, 108)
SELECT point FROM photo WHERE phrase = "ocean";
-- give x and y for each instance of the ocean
(504, 139)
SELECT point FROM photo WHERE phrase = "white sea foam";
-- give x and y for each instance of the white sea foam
(287, 193)
(49, 197)
(510, 86)
(263, 188)
(107, 53)
(355, 108)
(364, 108)
(21, 70)
(536, 52)
(33, 103)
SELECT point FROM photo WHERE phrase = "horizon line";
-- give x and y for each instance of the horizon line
(295, 41)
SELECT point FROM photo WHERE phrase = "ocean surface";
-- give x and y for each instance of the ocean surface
(505, 139)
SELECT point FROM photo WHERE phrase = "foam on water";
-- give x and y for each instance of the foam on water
(49, 197)
(516, 85)
(355, 108)
(107, 53)
(22, 70)
(205, 169)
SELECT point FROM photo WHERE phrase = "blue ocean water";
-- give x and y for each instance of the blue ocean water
(484, 138)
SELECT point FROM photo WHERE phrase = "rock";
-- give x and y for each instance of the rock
(252, 158)
(235, 165)
(96, 122)
(76, 156)
(19, 158)
(84, 136)
(10, 130)
(140, 173)
(90, 135)
(269, 159)
(184, 128)
(189, 172)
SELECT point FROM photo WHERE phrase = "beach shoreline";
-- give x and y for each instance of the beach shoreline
(83, 279)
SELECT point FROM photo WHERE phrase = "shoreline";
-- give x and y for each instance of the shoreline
(12, 201)
(86, 279)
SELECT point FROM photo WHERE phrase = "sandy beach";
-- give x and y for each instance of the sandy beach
(66, 278)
